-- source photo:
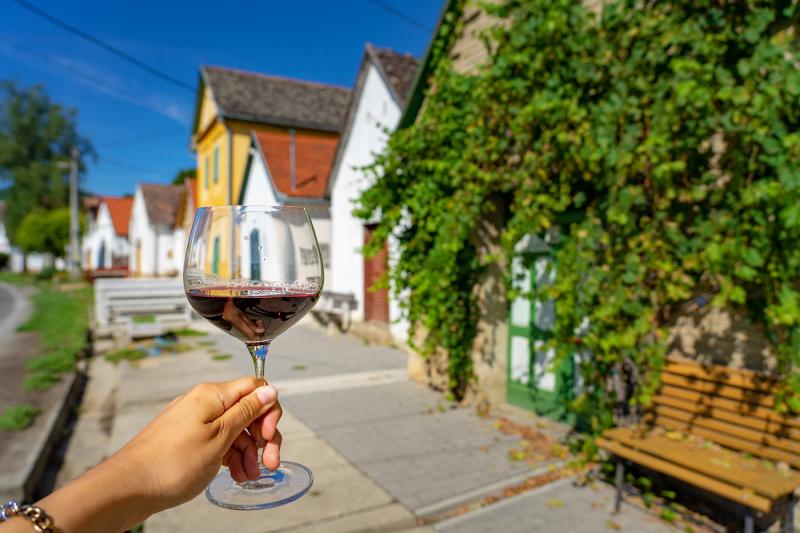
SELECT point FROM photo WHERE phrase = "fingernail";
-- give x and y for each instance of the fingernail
(266, 394)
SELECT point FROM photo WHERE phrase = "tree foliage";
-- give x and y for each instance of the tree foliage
(671, 127)
(182, 174)
(45, 232)
(35, 134)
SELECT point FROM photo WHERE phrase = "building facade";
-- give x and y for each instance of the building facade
(152, 224)
(381, 87)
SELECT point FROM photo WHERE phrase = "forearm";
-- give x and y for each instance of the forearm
(108, 498)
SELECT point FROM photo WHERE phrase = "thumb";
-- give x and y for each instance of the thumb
(235, 419)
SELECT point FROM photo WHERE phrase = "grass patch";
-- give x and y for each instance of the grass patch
(299, 367)
(15, 278)
(188, 332)
(18, 417)
(60, 318)
(221, 357)
(144, 319)
(125, 354)
(206, 343)
(179, 348)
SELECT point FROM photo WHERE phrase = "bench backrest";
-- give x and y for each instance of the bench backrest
(734, 408)
(115, 298)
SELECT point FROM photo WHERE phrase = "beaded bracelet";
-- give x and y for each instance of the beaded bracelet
(41, 521)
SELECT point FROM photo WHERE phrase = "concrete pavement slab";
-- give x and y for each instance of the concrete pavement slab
(559, 506)
(389, 517)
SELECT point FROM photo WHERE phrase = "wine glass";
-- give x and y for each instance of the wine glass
(254, 271)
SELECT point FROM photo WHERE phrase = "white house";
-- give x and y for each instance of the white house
(5, 244)
(105, 245)
(152, 231)
(291, 167)
(384, 80)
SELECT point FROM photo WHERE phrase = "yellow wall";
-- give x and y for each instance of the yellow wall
(208, 111)
(210, 192)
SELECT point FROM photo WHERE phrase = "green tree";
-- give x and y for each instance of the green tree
(669, 128)
(182, 174)
(45, 232)
(35, 134)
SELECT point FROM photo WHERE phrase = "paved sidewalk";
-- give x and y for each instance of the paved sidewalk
(384, 450)
(559, 506)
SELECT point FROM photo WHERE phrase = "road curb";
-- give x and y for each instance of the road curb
(438, 510)
(32, 473)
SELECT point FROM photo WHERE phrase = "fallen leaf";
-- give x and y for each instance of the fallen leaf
(555, 503)
(610, 524)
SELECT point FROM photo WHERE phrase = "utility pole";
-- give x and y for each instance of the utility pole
(74, 221)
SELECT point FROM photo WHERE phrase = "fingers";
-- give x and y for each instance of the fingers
(269, 422)
(247, 409)
(272, 451)
(233, 460)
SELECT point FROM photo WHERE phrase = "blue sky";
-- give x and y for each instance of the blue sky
(140, 124)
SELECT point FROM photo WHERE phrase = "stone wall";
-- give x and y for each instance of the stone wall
(710, 335)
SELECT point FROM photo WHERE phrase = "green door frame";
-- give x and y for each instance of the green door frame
(553, 404)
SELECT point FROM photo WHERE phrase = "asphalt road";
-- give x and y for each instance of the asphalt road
(6, 305)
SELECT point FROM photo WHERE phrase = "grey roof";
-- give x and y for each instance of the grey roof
(398, 70)
(274, 100)
(162, 202)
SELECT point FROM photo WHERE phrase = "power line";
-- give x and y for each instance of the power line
(399, 14)
(94, 82)
(102, 44)
(128, 166)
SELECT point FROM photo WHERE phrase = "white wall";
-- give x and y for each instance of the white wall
(260, 191)
(140, 230)
(375, 111)
(5, 245)
(101, 230)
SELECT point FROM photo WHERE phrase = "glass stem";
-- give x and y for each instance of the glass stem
(259, 354)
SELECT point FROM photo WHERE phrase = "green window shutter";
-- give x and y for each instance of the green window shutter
(215, 259)
(205, 173)
(216, 164)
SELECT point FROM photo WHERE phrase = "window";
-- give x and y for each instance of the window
(216, 164)
(205, 172)
(255, 256)
(215, 257)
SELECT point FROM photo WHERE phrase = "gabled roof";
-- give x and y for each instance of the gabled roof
(162, 202)
(120, 210)
(313, 155)
(273, 100)
(397, 71)
(192, 187)
(188, 201)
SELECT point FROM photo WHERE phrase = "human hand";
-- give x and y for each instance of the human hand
(179, 452)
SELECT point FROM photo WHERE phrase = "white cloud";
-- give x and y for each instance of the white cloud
(99, 80)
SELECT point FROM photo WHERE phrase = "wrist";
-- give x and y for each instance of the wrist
(113, 498)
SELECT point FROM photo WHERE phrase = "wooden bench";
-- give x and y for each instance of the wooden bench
(335, 306)
(122, 302)
(717, 429)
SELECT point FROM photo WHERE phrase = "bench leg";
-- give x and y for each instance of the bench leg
(619, 481)
(748, 520)
(788, 517)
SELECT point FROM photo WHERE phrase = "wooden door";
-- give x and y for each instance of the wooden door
(376, 302)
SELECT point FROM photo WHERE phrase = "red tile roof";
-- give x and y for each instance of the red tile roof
(313, 159)
(120, 211)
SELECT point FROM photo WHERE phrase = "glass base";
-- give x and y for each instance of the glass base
(272, 489)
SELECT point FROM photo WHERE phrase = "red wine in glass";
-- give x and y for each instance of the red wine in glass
(251, 314)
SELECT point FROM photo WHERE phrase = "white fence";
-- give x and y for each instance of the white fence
(143, 307)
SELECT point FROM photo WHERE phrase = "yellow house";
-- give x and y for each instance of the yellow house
(232, 104)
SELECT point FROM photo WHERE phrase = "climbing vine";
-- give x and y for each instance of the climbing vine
(661, 137)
